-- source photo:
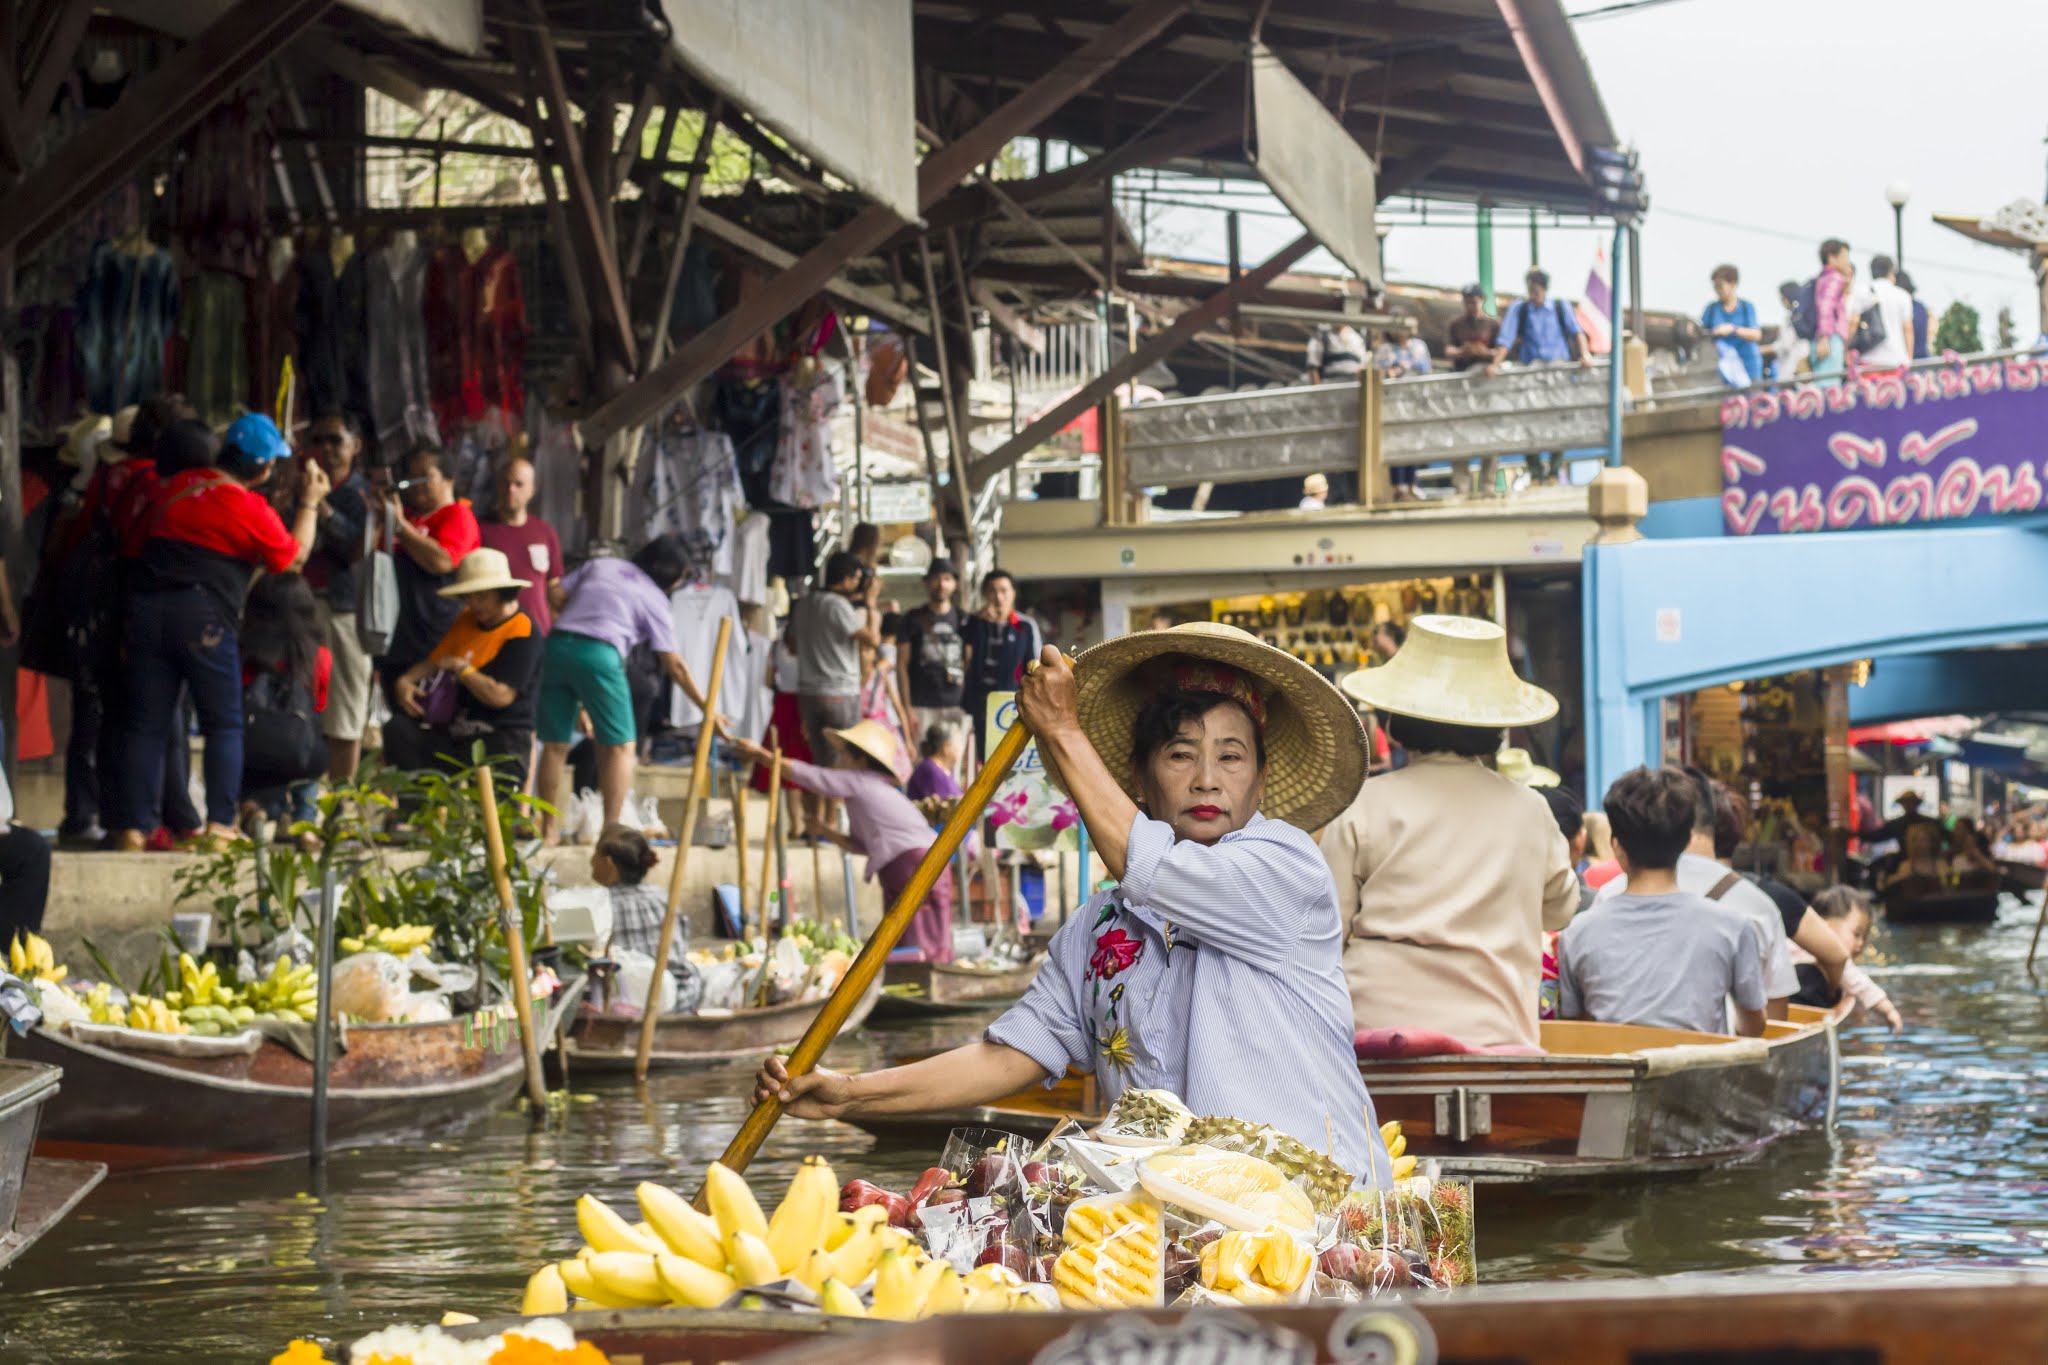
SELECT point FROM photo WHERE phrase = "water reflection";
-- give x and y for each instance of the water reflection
(1940, 1159)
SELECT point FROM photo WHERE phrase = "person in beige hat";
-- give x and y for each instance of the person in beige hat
(479, 683)
(882, 823)
(1200, 759)
(1448, 872)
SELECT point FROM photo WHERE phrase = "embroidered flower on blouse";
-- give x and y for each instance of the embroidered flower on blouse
(1115, 951)
(1118, 1050)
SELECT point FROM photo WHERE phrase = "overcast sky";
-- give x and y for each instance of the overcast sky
(1765, 125)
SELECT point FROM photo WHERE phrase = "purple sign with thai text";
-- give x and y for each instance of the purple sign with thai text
(1892, 449)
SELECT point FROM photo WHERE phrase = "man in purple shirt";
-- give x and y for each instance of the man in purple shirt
(608, 608)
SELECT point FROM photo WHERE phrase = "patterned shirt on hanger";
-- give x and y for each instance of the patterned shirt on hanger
(804, 475)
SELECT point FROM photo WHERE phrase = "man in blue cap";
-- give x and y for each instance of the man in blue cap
(208, 529)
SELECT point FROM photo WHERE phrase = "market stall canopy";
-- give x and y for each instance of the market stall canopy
(832, 76)
(1920, 731)
(457, 25)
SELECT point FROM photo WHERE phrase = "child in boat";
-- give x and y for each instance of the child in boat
(1847, 912)
(882, 823)
(620, 862)
(1654, 955)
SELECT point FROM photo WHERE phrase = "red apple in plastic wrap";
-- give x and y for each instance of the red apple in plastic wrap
(1005, 1254)
(1341, 1261)
(858, 1194)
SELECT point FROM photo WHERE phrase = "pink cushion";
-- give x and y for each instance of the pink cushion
(1386, 1044)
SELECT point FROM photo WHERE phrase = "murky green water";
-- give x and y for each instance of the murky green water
(1941, 1159)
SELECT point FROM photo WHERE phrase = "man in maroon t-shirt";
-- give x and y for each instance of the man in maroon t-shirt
(532, 546)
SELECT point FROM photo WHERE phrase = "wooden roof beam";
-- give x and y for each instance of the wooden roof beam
(154, 112)
(938, 175)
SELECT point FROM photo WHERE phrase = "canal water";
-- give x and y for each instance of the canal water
(1940, 1159)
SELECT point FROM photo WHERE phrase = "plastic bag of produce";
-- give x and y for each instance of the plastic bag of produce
(372, 987)
(636, 971)
(1114, 1252)
(1145, 1118)
(1241, 1192)
(1417, 1235)
(722, 979)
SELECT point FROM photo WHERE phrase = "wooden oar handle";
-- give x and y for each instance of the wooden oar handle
(868, 966)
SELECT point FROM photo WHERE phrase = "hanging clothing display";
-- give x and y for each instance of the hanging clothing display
(127, 307)
(804, 474)
(222, 194)
(557, 466)
(448, 312)
(352, 342)
(697, 609)
(316, 323)
(395, 278)
(749, 412)
(749, 575)
(500, 347)
(274, 330)
(216, 346)
(687, 484)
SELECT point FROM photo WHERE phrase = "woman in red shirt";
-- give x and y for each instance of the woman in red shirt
(208, 529)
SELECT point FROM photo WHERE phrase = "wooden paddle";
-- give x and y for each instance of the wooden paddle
(700, 781)
(868, 966)
(515, 940)
(2034, 947)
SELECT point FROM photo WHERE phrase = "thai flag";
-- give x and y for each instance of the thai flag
(1592, 312)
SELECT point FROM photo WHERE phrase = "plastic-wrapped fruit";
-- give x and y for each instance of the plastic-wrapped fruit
(858, 1194)
(945, 1197)
(1239, 1191)
(1007, 1255)
(1341, 1261)
(990, 1174)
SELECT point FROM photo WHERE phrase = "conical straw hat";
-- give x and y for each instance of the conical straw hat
(1315, 746)
(1454, 670)
(1516, 766)
(872, 738)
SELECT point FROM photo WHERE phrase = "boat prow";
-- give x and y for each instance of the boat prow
(913, 989)
(607, 1042)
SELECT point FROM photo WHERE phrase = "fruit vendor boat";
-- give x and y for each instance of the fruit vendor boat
(606, 1042)
(1883, 1317)
(1950, 905)
(1603, 1099)
(393, 1082)
(921, 988)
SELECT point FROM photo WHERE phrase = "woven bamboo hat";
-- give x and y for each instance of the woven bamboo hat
(480, 571)
(1516, 766)
(872, 738)
(1315, 746)
(1454, 670)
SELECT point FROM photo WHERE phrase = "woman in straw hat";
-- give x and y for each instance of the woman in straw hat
(478, 683)
(882, 823)
(1199, 758)
(1448, 873)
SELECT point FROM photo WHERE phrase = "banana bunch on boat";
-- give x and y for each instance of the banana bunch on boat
(677, 1255)
(289, 992)
(30, 958)
(399, 940)
(208, 1006)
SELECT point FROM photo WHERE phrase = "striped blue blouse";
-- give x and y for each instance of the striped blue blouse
(1215, 972)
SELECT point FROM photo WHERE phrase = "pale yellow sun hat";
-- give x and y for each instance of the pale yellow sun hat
(1516, 766)
(1315, 745)
(480, 571)
(872, 738)
(1453, 670)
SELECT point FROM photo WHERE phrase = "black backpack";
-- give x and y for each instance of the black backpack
(1806, 310)
(281, 741)
(1564, 325)
(68, 621)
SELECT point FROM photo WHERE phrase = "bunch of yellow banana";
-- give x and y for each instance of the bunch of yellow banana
(1256, 1267)
(395, 939)
(1397, 1148)
(288, 992)
(100, 1007)
(30, 958)
(152, 1015)
(677, 1255)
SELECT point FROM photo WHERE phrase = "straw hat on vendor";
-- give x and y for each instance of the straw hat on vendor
(1449, 872)
(874, 741)
(1198, 758)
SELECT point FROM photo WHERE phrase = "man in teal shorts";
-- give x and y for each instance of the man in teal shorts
(604, 610)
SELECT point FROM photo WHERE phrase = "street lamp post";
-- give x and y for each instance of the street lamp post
(1896, 194)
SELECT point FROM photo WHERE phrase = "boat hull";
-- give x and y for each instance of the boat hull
(1948, 907)
(1606, 1100)
(1900, 1318)
(394, 1082)
(607, 1042)
(948, 988)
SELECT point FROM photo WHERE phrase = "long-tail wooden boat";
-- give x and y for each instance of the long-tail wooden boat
(921, 988)
(50, 1189)
(1603, 1099)
(2020, 878)
(393, 1082)
(1950, 905)
(607, 1042)
(1872, 1318)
